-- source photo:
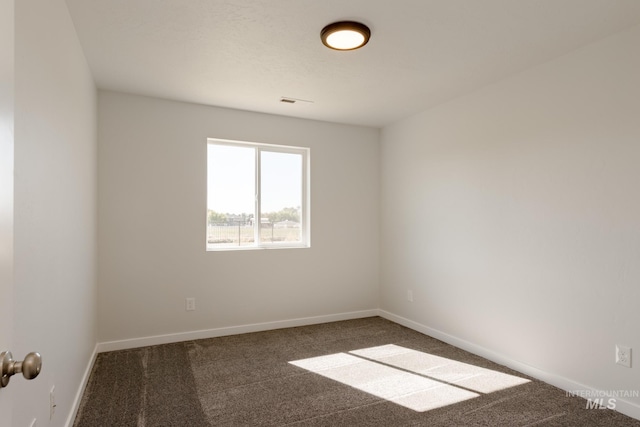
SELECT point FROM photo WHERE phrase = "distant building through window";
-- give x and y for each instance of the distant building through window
(248, 180)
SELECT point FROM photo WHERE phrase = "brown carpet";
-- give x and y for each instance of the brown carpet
(365, 372)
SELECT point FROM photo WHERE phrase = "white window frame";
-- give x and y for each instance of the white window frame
(305, 211)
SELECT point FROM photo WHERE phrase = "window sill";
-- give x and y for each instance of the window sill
(256, 248)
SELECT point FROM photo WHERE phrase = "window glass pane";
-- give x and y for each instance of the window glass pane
(281, 197)
(230, 195)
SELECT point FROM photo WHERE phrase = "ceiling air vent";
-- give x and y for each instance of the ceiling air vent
(291, 100)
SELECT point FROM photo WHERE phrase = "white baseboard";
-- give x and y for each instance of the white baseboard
(231, 330)
(623, 406)
(83, 384)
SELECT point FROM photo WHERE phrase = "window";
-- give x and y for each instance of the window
(257, 195)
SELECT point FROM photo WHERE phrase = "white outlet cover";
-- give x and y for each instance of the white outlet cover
(33, 423)
(623, 355)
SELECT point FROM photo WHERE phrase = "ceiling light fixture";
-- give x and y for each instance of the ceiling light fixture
(345, 35)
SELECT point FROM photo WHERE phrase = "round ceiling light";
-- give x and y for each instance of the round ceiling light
(345, 35)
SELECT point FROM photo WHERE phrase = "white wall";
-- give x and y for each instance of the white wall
(55, 209)
(152, 209)
(513, 214)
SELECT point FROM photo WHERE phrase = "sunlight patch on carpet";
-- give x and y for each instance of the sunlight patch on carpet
(411, 378)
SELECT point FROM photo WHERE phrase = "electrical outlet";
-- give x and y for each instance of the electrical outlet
(52, 402)
(410, 295)
(623, 355)
(33, 423)
(190, 304)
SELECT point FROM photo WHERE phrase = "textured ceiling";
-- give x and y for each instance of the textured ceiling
(247, 54)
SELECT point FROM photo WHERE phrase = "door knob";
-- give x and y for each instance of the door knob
(29, 367)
